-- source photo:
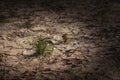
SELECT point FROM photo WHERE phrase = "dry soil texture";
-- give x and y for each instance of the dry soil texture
(85, 35)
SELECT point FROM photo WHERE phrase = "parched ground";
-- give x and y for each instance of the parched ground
(85, 36)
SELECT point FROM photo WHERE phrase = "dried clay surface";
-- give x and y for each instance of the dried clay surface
(85, 36)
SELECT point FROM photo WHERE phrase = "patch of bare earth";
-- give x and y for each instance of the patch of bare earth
(83, 48)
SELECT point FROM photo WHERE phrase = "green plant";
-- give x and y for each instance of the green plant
(41, 46)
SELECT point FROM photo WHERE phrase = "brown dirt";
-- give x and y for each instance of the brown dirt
(91, 51)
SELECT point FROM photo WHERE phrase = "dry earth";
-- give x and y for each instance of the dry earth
(91, 51)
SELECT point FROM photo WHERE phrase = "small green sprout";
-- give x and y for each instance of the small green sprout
(41, 46)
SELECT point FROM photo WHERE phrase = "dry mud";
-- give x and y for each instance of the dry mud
(91, 51)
